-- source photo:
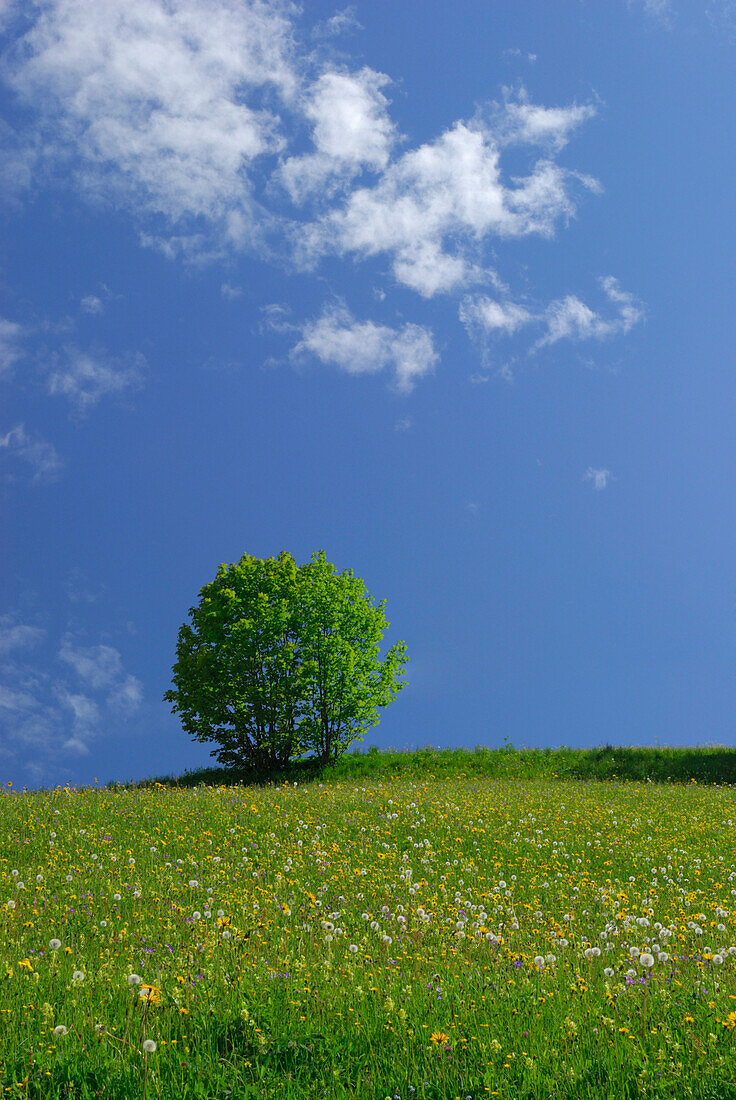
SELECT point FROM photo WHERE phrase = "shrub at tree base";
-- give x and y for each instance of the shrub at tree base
(279, 660)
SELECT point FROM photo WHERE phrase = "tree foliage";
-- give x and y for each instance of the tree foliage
(279, 660)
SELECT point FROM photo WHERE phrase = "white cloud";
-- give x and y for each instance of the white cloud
(42, 458)
(494, 316)
(18, 636)
(433, 207)
(98, 666)
(569, 318)
(15, 700)
(351, 131)
(127, 696)
(230, 292)
(85, 712)
(363, 347)
(11, 335)
(164, 102)
(74, 744)
(92, 304)
(565, 318)
(84, 379)
(187, 112)
(599, 478)
(340, 23)
(51, 715)
(519, 122)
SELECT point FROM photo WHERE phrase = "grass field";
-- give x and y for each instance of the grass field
(447, 937)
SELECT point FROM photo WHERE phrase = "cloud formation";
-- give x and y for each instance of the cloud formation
(84, 379)
(433, 207)
(351, 130)
(11, 335)
(57, 713)
(566, 318)
(18, 635)
(221, 131)
(163, 103)
(598, 477)
(363, 347)
(32, 451)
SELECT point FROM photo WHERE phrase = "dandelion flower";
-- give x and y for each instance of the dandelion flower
(60, 1030)
(438, 1037)
(54, 944)
(646, 960)
(134, 979)
(149, 1046)
(539, 961)
(78, 976)
(151, 994)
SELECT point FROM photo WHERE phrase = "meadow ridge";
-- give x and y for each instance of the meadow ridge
(457, 937)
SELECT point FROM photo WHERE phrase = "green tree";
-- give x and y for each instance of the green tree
(280, 659)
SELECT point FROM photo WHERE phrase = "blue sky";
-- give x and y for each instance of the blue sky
(445, 291)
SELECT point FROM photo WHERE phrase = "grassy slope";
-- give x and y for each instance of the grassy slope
(716, 764)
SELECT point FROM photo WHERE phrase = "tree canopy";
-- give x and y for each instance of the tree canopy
(280, 659)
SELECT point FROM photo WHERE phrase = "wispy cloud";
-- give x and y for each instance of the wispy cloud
(32, 451)
(599, 478)
(84, 379)
(494, 316)
(55, 714)
(11, 335)
(569, 318)
(127, 697)
(566, 318)
(97, 666)
(92, 304)
(517, 121)
(340, 23)
(18, 635)
(15, 700)
(363, 347)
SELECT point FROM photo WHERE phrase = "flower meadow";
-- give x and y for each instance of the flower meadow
(408, 938)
